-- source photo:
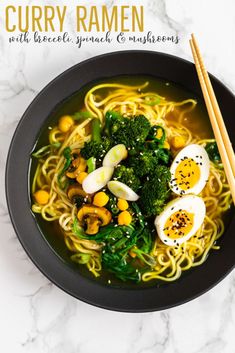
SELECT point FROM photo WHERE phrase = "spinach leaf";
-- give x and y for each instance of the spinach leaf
(68, 159)
(213, 152)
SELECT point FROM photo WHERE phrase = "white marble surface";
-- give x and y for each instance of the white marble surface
(36, 316)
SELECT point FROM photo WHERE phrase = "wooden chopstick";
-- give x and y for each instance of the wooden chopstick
(216, 108)
(221, 142)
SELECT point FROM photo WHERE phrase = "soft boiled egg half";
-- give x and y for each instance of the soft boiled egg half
(180, 219)
(190, 170)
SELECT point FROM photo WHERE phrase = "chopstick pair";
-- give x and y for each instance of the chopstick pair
(221, 135)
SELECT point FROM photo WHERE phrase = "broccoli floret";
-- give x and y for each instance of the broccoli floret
(132, 131)
(98, 146)
(96, 149)
(163, 155)
(143, 163)
(140, 127)
(155, 192)
(127, 176)
(113, 122)
(128, 131)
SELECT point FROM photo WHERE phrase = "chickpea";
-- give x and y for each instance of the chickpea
(177, 142)
(124, 218)
(65, 123)
(100, 199)
(41, 197)
(122, 205)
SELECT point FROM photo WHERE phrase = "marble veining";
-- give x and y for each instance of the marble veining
(36, 316)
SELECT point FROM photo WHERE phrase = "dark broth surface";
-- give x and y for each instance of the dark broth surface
(196, 121)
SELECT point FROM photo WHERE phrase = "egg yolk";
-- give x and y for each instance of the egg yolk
(187, 174)
(179, 224)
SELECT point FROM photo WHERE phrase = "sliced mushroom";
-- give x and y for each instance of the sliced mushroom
(93, 217)
(75, 190)
(78, 165)
(92, 224)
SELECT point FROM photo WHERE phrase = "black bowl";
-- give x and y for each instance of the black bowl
(189, 286)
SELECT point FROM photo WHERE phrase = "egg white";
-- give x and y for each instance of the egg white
(200, 156)
(190, 203)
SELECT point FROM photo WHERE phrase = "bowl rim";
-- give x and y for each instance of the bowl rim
(82, 292)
